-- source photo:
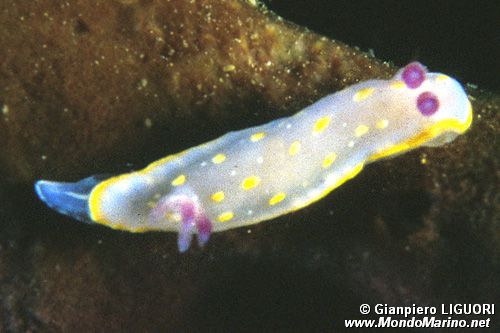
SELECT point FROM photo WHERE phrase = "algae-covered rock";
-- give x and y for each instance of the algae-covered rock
(82, 83)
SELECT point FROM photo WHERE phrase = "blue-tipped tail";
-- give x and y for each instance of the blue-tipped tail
(68, 198)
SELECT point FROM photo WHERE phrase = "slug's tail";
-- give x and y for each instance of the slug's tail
(68, 198)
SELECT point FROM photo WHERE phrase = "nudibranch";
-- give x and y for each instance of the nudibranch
(259, 173)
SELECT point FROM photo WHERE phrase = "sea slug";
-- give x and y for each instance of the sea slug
(258, 173)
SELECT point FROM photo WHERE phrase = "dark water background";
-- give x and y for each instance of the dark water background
(460, 37)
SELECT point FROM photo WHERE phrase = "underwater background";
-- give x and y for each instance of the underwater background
(111, 86)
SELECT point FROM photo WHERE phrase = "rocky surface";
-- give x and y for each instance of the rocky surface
(81, 95)
(79, 90)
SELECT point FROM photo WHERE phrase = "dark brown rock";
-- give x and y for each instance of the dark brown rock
(80, 90)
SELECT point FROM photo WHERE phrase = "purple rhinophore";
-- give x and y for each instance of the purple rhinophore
(204, 227)
(413, 75)
(187, 210)
(427, 103)
(192, 219)
(185, 236)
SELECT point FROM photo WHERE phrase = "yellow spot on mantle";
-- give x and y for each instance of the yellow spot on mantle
(219, 158)
(397, 85)
(321, 124)
(362, 94)
(226, 216)
(381, 124)
(179, 180)
(361, 130)
(250, 182)
(277, 198)
(218, 196)
(294, 148)
(257, 136)
(329, 159)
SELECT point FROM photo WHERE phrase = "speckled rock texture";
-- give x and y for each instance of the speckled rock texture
(93, 79)
(114, 85)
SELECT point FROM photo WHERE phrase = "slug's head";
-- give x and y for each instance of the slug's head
(440, 102)
(428, 109)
